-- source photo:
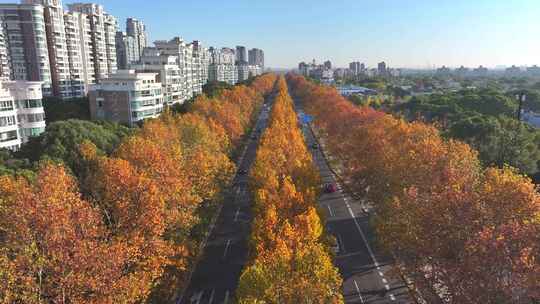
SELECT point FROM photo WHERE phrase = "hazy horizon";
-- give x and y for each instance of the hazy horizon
(416, 34)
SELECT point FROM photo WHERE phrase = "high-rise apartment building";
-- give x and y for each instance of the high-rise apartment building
(27, 43)
(5, 64)
(168, 73)
(130, 44)
(126, 50)
(184, 53)
(241, 55)
(136, 29)
(381, 68)
(222, 67)
(256, 57)
(21, 113)
(199, 66)
(126, 97)
(62, 85)
(102, 30)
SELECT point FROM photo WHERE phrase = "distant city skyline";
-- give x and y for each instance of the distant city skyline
(411, 34)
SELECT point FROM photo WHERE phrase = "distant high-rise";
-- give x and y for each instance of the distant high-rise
(256, 57)
(327, 65)
(354, 67)
(222, 67)
(381, 68)
(241, 55)
(127, 50)
(136, 29)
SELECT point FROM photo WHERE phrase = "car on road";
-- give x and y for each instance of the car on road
(242, 171)
(314, 146)
(330, 188)
(254, 137)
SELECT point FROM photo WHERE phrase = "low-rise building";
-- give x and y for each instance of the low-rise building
(126, 97)
(21, 112)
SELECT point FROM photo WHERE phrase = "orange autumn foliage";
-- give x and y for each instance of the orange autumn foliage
(140, 204)
(450, 222)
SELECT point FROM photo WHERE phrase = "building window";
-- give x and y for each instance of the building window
(7, 136)
(6, 105)
(7, 121)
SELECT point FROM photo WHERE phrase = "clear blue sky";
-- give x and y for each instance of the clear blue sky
(404, 33)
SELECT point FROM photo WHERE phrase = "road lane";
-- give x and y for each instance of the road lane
(365, 271)
(216, 275)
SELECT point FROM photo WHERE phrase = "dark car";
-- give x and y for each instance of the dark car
(242, 171)
(314, 146)
(330, 188)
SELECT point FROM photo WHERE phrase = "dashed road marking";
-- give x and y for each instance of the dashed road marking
(392, 297)
(358, 291)
(226, 248)
(211, 296)
(384, 280)
(387, 286)
(381, 274)
(330, 210)
(196, 298)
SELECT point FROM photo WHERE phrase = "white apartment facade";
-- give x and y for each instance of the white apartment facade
(222, 66)
(184, 53)
(21, 113)
(126, 97)
(168, 74)
(102, 30)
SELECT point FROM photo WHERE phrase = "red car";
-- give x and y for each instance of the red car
(330, 188)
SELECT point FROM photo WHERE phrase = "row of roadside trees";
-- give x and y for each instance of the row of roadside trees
(463, 232)
(290, 260)
(108, 227)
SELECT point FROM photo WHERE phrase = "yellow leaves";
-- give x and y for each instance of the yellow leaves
(290, 264)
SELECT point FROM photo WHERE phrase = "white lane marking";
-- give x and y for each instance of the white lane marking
(381, 274)
(226, 248)
(226, 301)
(384, 280)
(358, 290)
(330, 210)
(236, 214)
(211, 296)
(392, 297)
(375, 262)
(387, 287)
(196, 297)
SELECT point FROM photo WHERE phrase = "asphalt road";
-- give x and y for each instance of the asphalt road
(366, 272)
(217, 273)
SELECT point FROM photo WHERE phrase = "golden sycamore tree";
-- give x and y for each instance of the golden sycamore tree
(290, 263)
(451, 222)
